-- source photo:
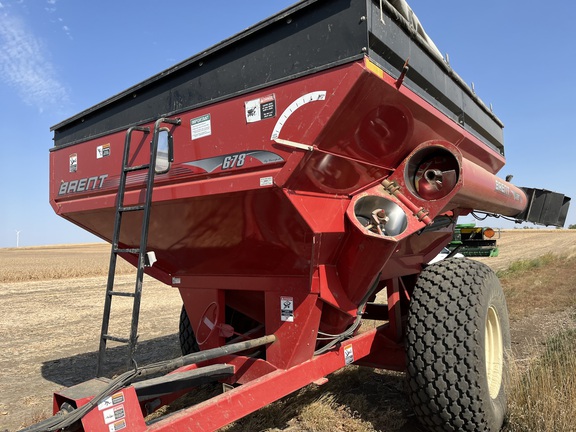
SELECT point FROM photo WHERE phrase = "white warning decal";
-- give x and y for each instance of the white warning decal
(73, 163)
(115, 399)
(307, 98)
(117, 426)
(260, 109)
(266, 181)
(348, 354)
(201, 126)
(287, 309)
(103, 151)
(114, 414)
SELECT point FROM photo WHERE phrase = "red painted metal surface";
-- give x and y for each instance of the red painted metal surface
(120, 411)
(266, 388)
(283, 226)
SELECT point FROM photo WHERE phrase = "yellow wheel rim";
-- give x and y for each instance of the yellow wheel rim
(494, 353)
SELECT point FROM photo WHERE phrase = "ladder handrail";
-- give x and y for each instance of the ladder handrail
(114, 246)
(144, 232)
(115, 250)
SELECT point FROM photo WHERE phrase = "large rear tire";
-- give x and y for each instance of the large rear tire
(188, 343)
(457, 340)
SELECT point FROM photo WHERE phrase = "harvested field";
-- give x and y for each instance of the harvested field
(56, 262)
(51, 303)
(523, 244)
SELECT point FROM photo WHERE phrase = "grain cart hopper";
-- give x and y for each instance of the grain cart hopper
(291, 182)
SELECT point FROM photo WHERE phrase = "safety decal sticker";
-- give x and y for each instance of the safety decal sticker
(287, 309)
(260, 109)
(115, 399)
(116, 426)
(102, 151)
(73, 162)
(307, 98)
(348, 355)
(201, 126)
(114, 414)
(266, 181)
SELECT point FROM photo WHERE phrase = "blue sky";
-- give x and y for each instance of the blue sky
(58, 57)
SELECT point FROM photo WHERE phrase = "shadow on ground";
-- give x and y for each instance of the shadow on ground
(69, 371)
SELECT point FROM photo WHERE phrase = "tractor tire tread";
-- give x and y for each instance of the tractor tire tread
(442, 339)
(188, 343)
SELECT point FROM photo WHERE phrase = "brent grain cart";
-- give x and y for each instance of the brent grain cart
(290, 182)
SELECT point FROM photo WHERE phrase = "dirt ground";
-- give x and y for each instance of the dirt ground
(49, 328)
(50, 331)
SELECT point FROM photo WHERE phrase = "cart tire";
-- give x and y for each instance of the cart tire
(188, 343)
(458, 336)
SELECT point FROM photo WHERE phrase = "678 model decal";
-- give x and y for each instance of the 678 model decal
(236, 160)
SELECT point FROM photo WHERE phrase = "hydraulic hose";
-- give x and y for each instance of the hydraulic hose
(65, 418)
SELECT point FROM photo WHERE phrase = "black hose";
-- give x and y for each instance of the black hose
(336, 339)
(65, 419)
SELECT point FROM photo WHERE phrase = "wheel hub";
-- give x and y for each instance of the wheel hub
(494, 352)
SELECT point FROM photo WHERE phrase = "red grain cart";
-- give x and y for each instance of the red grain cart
(290, 182)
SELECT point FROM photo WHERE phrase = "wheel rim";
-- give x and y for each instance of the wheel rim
(494, 352)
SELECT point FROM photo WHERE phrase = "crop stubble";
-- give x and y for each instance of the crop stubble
(51, 301)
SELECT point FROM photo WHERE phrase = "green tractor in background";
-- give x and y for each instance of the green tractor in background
(473, 241)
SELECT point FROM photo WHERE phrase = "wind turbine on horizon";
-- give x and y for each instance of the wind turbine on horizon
(18, 238)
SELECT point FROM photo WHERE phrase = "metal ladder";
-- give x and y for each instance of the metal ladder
(144, 258)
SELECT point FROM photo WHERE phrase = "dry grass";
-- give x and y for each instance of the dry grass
(355, 399)
(542, 388)
(56, 262)
(542, 396)
(541, 285)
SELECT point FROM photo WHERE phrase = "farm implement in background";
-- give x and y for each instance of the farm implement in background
(281, 180)
(473, 241)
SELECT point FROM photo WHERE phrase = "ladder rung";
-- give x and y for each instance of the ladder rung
(115, 339)
(133, 251)
(121, 293)
(136, 168)
(131, 208)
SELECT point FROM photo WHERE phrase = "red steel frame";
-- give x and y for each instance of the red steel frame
(286, 227)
